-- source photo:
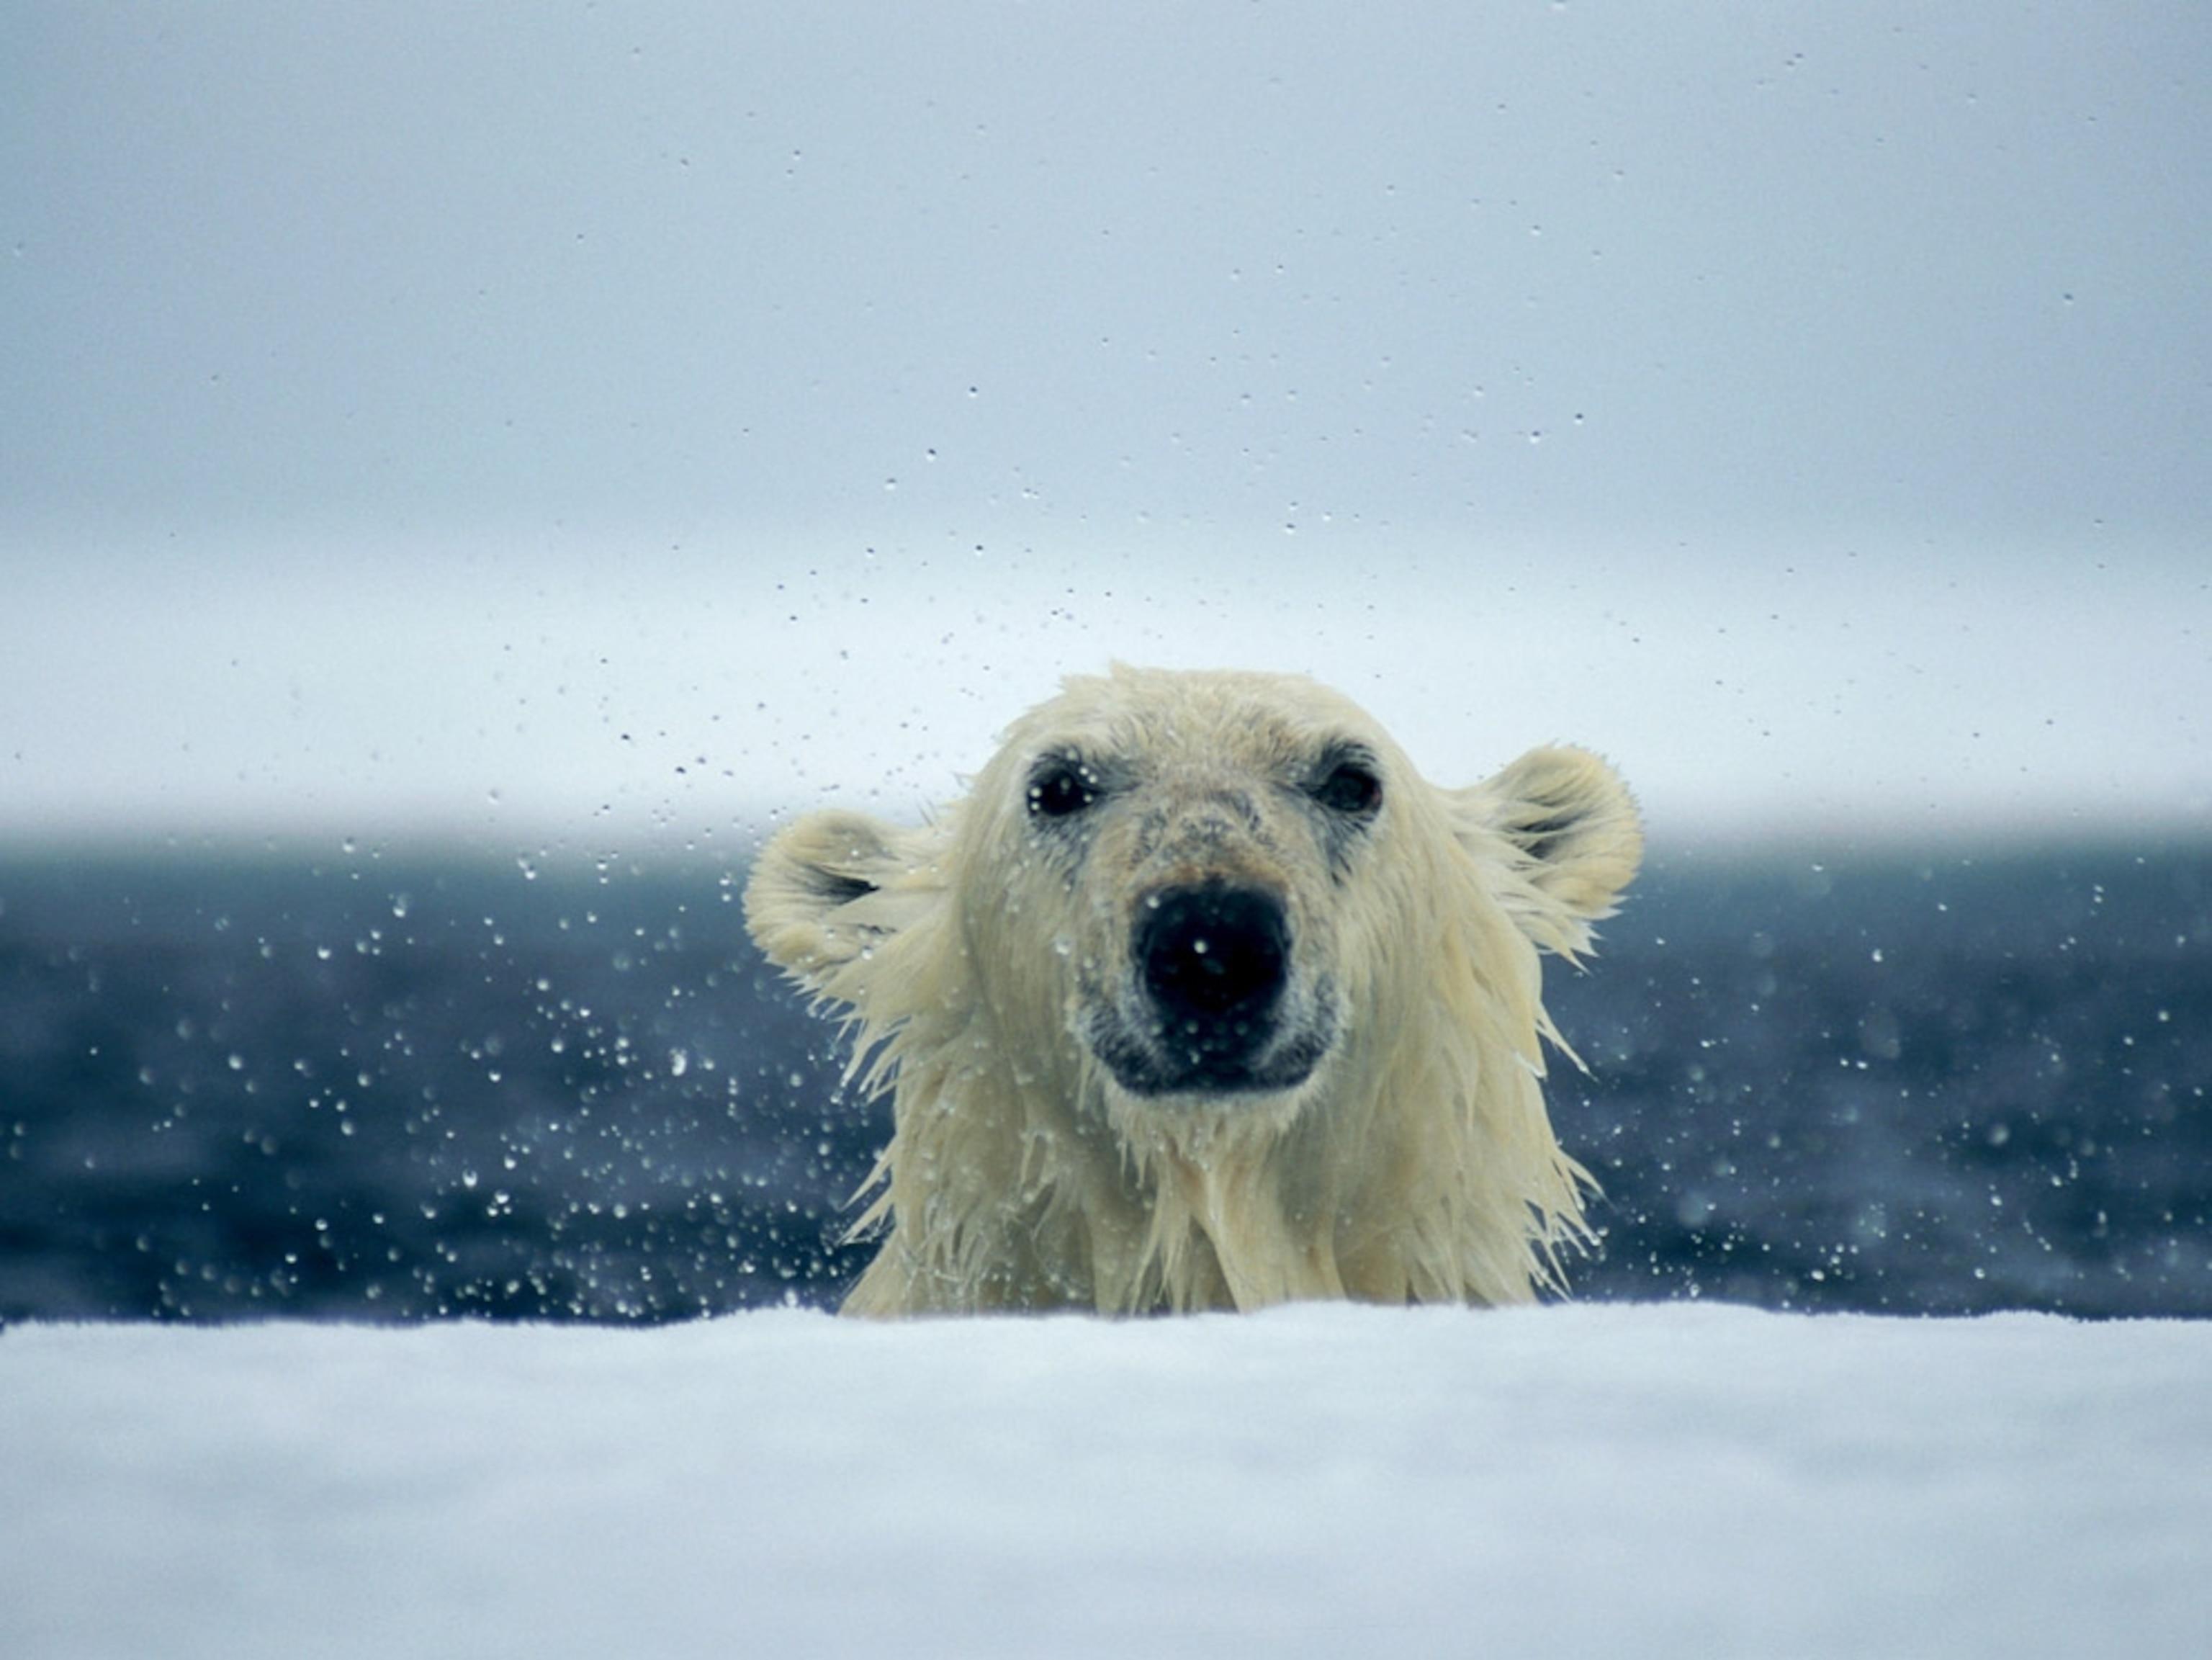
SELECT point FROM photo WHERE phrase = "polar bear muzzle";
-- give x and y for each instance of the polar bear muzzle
(1207, 1009)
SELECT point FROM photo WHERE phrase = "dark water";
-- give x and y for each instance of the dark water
(369, 1089)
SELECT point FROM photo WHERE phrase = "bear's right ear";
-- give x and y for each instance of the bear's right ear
(830, 889)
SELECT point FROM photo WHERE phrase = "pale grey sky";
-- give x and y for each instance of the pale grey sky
(550, 421)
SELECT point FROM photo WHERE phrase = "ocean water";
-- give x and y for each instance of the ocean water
(361, 1087)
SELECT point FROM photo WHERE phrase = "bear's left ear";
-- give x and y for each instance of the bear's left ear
(830, 889)
(1565, 829)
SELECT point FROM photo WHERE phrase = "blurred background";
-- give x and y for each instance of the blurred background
(464, 472)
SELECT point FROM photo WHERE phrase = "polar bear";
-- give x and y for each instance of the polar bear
(1204, 998)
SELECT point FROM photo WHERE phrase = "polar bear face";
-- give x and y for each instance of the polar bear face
(1214, 871)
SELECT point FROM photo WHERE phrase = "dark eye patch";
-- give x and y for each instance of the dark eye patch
(1061, 786)
(1348, 784)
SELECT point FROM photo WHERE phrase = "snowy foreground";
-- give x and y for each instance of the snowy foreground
(1677, 1480)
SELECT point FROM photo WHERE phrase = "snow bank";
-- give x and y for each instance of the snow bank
(1681, 1479)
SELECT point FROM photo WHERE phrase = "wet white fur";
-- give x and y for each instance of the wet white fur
(1416, 1163)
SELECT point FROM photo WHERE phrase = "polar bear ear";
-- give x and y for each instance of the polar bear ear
(830, 889)
(1565, 829)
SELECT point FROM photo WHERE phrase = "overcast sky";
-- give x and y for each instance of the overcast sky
(559, 424)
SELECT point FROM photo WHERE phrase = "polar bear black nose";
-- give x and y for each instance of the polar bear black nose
(1215, 960)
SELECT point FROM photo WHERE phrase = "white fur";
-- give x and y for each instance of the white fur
(1415, 1164)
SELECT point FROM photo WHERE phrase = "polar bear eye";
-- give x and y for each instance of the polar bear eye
(1350, 788)
(1058, 788)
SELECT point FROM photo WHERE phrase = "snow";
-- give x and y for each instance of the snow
(1654, 1479)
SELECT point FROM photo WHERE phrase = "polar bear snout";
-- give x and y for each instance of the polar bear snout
(1210, 1005)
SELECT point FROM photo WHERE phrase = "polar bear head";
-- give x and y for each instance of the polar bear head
(1203, 995)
